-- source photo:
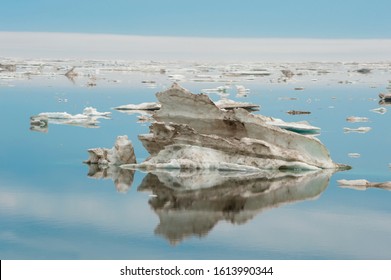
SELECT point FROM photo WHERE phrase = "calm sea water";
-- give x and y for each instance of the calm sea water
(51, 209)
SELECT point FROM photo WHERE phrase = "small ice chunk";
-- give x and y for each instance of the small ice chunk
(147, 106)
(357, 119)
(354, 155)
(229, 104)
(361, 129)
(92, 112)
(302, 127)
(121, 153)
(380, 110)
(362, 184)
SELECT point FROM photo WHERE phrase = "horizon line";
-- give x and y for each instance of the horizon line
(196, 37)
(59, 45)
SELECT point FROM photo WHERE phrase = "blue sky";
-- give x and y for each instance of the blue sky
(202, 18)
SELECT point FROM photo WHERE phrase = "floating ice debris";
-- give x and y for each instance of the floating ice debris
(362, 184)
(248, 73)
(287, 98)
(302, 127)
(146, 106)
(295, 112)
(385, 96)
(71, 74)
(219, 89)
(380, 110)
(191, 202)
(241, 91)
(191, 132)
(121, 153)
(144, 119)
(361, 129)
(91, 83)
(287, 73)
(363, 71)
(177, 77)
(228, 104)
(92, 112)
(7, 67)
(353, 119)
(354, 155)
(88, 119)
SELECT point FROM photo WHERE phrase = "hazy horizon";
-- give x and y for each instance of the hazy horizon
(56, 45)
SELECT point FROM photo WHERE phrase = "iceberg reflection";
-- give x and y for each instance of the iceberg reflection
(190, 203)
(123, 178)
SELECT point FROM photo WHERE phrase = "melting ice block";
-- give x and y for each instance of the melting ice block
(191, 132)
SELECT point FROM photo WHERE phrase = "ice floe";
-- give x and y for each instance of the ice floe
(380, 110)
(354, 119)
(89, 118)
(146, 106)
(361, 129)
(231, 104)
(354, 155)
(362, 184)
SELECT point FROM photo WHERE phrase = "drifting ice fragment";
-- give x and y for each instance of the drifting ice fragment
(299, 127)
(121, 153)
(357, 119)
(294, 112)
(362, 184)
(380, 110)
(146, 106)
(230, 104)
(361, 129)
(385, 96)
(92, 112)
(354, 155)
(88, 119)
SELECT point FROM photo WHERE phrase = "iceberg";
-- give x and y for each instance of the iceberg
(191, 132)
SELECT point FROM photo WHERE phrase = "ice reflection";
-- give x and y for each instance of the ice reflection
(123, 178)
(191, 203)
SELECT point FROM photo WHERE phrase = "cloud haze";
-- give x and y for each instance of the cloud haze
(33, 45)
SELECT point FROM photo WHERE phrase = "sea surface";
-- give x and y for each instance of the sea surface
(52, 206)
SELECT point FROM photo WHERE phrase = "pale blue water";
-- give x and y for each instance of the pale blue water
(51, 209)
